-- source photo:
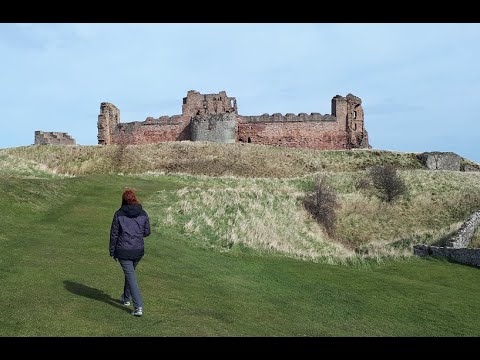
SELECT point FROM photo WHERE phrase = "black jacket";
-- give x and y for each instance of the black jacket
(129, 226)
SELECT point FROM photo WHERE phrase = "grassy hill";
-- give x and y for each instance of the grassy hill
(234, 254)
(202, 158)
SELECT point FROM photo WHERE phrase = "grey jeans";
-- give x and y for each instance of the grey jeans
(130, 289)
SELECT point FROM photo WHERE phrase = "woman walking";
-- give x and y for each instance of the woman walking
(130, 225)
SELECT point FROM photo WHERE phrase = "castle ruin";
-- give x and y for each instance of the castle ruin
(53, 138)
(214, 117)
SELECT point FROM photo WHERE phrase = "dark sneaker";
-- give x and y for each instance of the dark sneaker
(137, 311)
(124, 301)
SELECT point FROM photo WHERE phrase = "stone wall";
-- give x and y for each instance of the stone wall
(152, 131)
(456, 249)
(461, 256)
(214, 117)
(289, 118)
(464, 235)
(53, 138)
(220, 128)
(437, 160)
(313, 134)
(469, 167)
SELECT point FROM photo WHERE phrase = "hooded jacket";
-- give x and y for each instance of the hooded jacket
(130, 225)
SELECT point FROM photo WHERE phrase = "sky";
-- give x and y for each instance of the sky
(419, 83)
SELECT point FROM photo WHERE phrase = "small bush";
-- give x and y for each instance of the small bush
(321, 203)
(386, 180)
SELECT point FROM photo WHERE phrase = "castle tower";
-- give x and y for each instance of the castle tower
(354, 113)
(108, 119)
(206, 104)
(339, 110)
(355, 120)
(349, 113)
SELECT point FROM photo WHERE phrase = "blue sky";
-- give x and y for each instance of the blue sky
(420, 83)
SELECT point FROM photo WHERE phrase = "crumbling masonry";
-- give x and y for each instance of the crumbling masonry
(53, 138)
(214, 117)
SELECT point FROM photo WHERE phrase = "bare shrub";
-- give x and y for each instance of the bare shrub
(386, 180)
(321, 203)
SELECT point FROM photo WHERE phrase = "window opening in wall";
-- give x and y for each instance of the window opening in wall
(354, 126)
(249, 140)
(241, 140)
(354, 114)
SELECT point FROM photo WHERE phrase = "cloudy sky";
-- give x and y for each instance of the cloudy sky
(420, 83)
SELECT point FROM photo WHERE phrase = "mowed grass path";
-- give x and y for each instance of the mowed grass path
(58, 280)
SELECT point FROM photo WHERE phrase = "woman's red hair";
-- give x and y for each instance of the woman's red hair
(129, 198)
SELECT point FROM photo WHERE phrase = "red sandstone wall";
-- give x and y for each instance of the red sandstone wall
(321, 135)
(152, 134)
(313, 135)
(323, 132)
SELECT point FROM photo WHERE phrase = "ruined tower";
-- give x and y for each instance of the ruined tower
(349, 112)
(53, 138)
(200, 104)
(212, 116)
(108, 119)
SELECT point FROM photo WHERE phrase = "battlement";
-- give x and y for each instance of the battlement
(213, 117)
(53, 138)
(162, 120)
(289, 117)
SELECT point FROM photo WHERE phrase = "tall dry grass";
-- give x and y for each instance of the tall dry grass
(205, 158)
(14, 166)
(269, 220)
(250, 197)
(268, 215)
(435, 201)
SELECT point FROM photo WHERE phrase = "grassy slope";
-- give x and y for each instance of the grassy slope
(201, 158)
(266, 213)
(60, 281)
(54, 245)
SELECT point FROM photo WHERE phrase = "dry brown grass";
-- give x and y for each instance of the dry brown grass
(11, 165)
(204, 158)
(267, 214)
(436, 200)
(251, 196)
(263, 217)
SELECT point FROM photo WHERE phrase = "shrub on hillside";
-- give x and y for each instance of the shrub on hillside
(386, 180)
(321, 203)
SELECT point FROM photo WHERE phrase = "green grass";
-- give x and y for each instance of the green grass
(231, 255)
(58, 279)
